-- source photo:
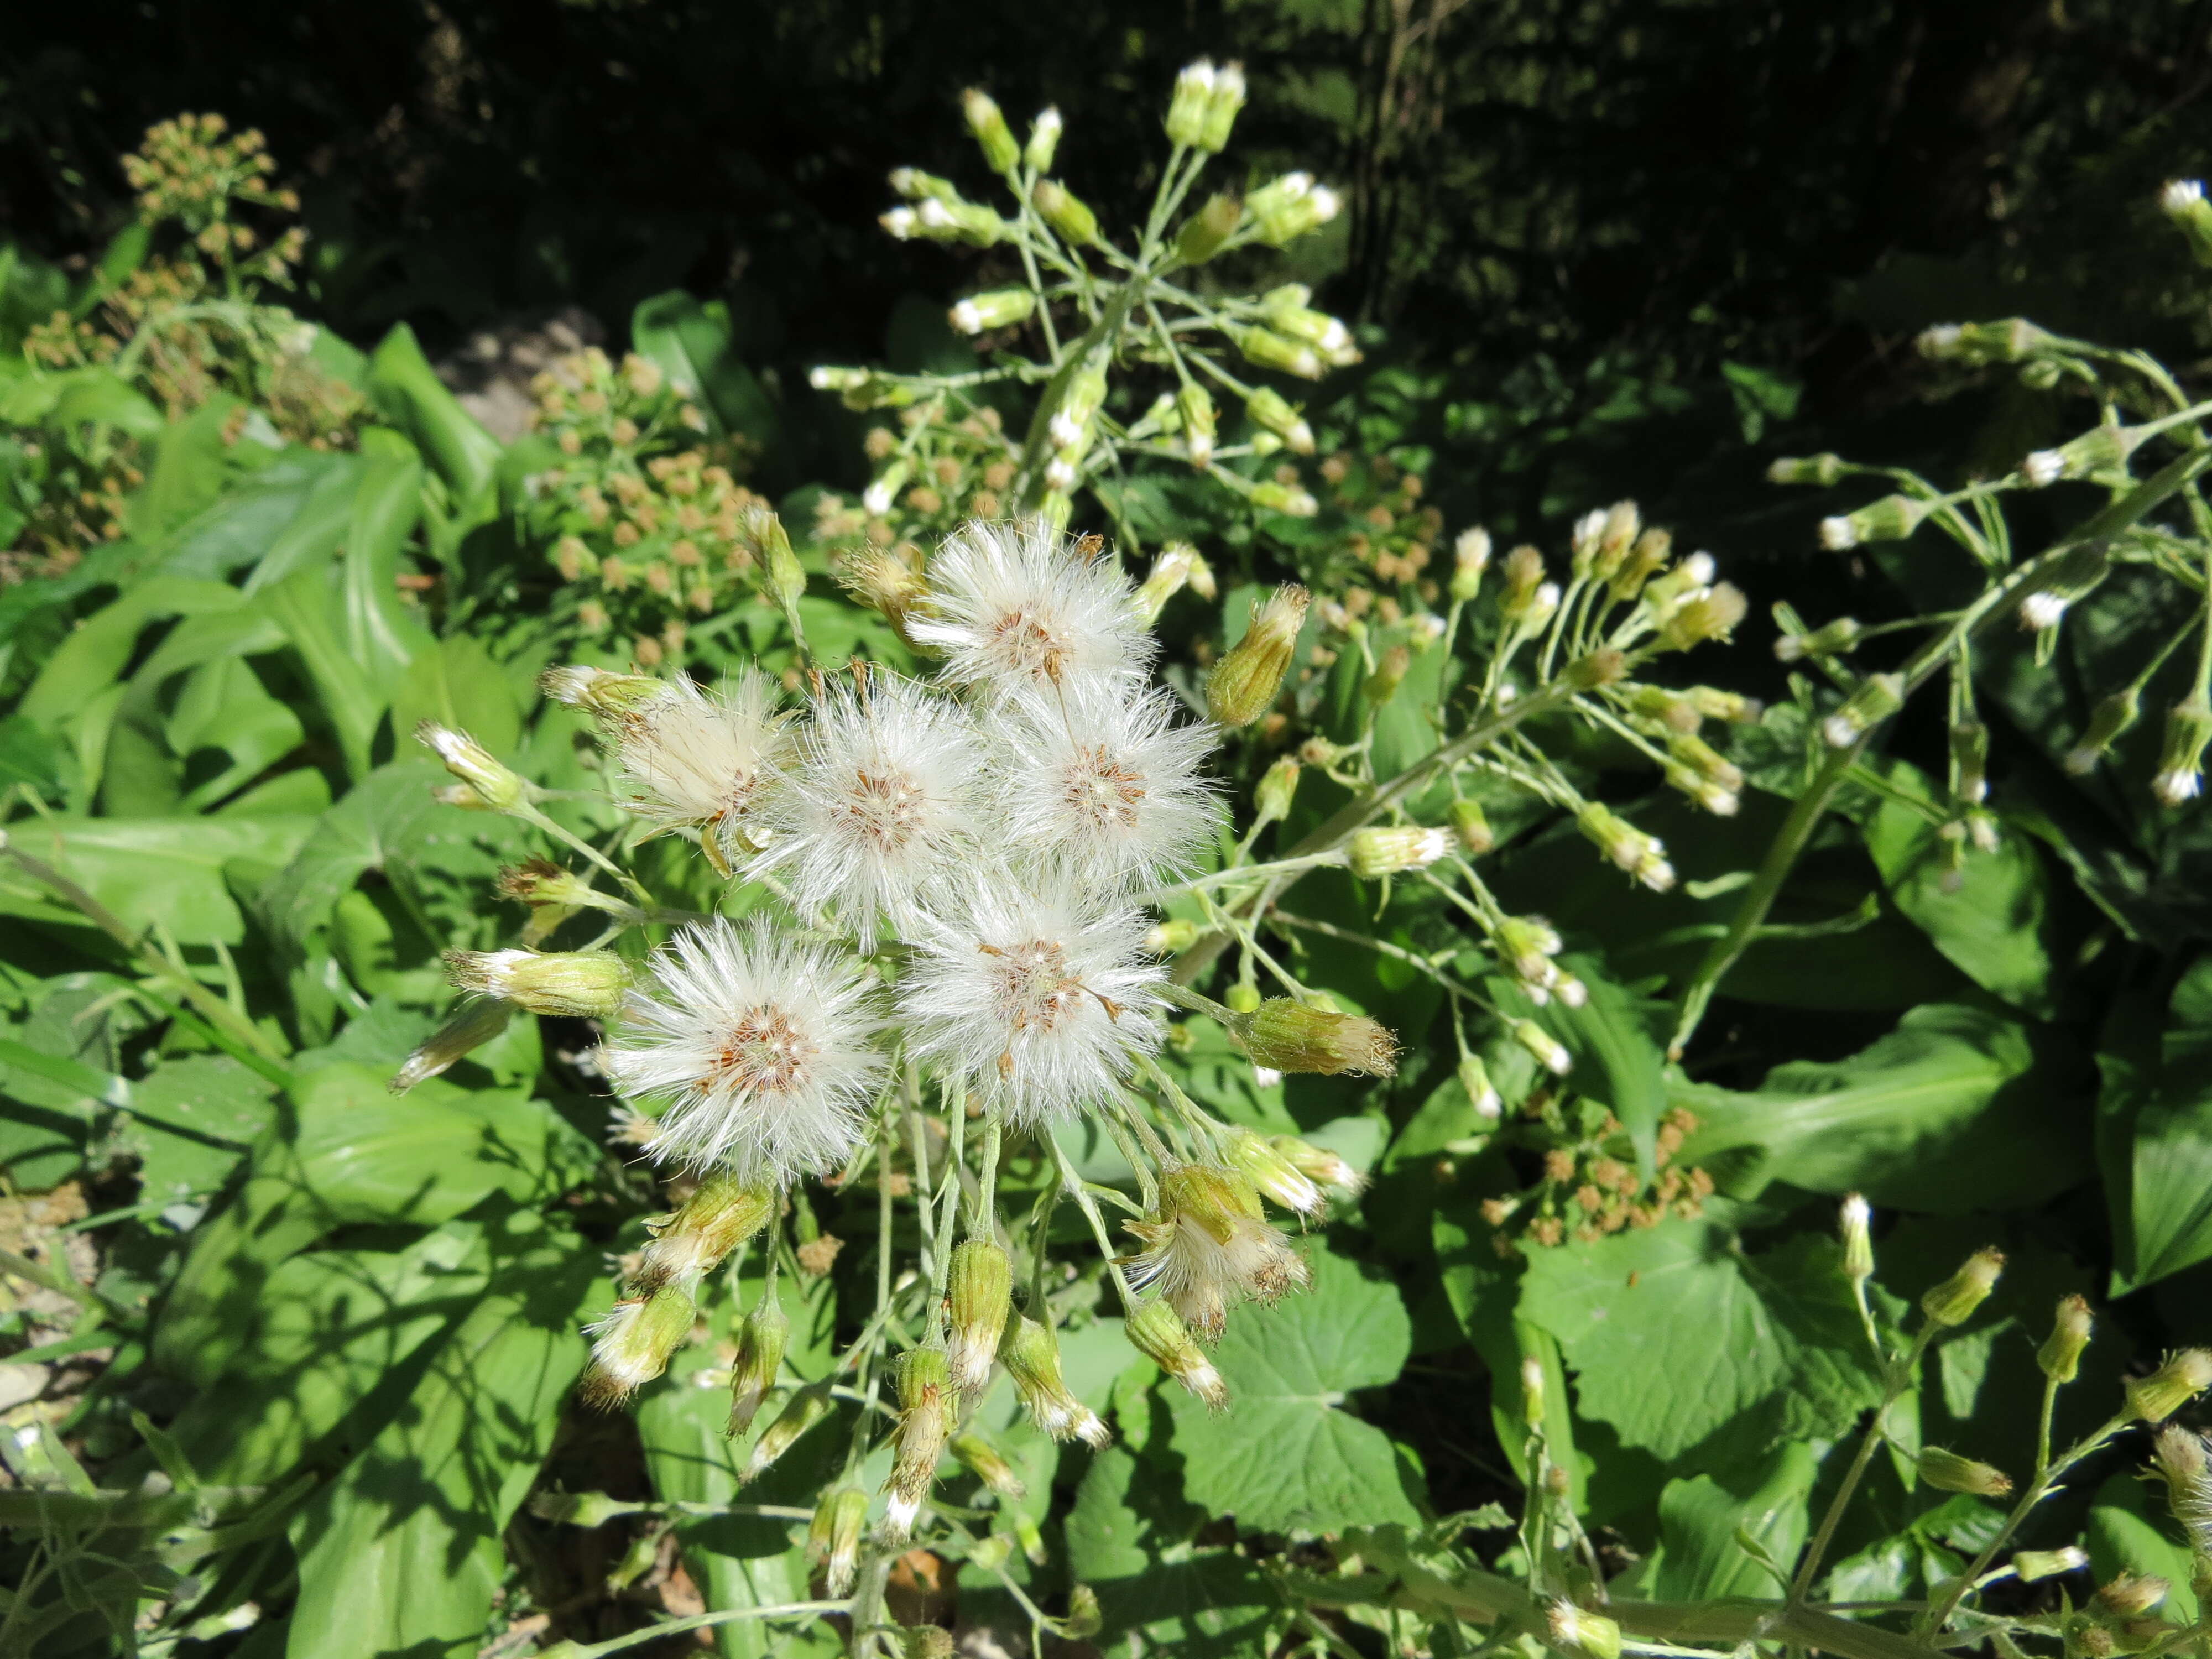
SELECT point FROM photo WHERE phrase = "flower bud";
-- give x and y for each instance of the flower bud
(630, 1346)
(1379, 852)
(1602, 668)
(1821, 470)
(578, 1509)
(881, 581)
(1265, 349)
(2008, 341)
(1067, 213)
(2183, 1376)
(1873, 700)
(496, 786)
(1169, 572)
(721, 1214)
(1195, 405)
(992, 136)
(597, 692)
(927, 1642)
(1954, 1301)
(926, 1416)
(1838, 638)
(761, 1340)
(833, 1538)
(474, 1024)
(1285, 498)
(1287, 208)
(1241, 686)
(1474, 1078)
(588, 984)
(1156, 1332)
(1272, 796)
(1947, 1471)
(1892, 519)
(1318, 1164)
(1285, 1034)
(1641, 855)
(1243, 997)
(2179, 1455)
(1470, 558)
(1031, 1356)
(2132, 1594)
(1044, 140)
(1259, 1162)
(1590, 1634)
(1221, 108)
(998, 307)
(1270, 410)
(2111, 717)
(976, 1454)
(1549, 1051)
(978, 1293)
(1188, 104)
(1710, 616)
(1084, 1620)
(2031, 1566)
(2185, 203)
(1859, 1238)
(800, 1412)
(2181, 754)
(2101, 449)
(2060, 1356)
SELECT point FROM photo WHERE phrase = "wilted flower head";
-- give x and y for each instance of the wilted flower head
(1020, 606)
(1040, 999)
(1105, 789)
(882, 794)
(761, 1044)
(1207, 1247)
(700, 759)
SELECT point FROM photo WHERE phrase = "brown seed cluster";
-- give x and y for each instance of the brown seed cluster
(1586, 1189)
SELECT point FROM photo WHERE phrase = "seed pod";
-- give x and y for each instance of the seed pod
(800, 1412)
(1032, 1357)
(976, 1454)
(1242, 685)
(632, 1344)
(1156, 1331)
(586, 984)
(1947, 1471)
(721, 1214)
(2060, 1356)
(495, 785)
(978, 1292)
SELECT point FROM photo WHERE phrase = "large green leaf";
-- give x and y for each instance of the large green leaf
(1134, 1539)
(408, 390)
(189, 1123)
(1958, 1109)
(168, 871)
(310, 609)
(1699, 1518)
(381, 634)
(2125, 1533)
(94, 655)
(1676, 1333)
(2157, 1143)
(402, 1553)
(1287, 1456)
(1987, 912)
(690, 341)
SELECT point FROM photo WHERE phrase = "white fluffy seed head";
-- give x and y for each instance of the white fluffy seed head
(760, 1045)
(700, 759)
(1207, 1247)
(1018, 606)
(1042, 1000)
(1103, 789)
(877, 807)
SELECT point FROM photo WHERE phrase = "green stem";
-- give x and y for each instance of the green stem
(638, 1639)
(1899, 1379)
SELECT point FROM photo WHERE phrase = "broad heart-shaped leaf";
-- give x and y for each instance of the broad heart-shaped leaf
(2157, 1135)
(401, 1552)
(1958, 1109)
(2127, 1534)
(1676, 1333)
(165, 870)
(1130, 1538)
(1987, 912)
(1699, 1518)
(1286, 1457)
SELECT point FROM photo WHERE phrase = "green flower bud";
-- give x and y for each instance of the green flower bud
(1474, 1078)
(1948, 1472)
(761, 1341)
(1892, 519)
(927, 1642)
(2101, 449)
(1970, 755)
(976, 1454)
(800, 1412)
(2183, 1376)
(578, 1509)
(1084, 1620)
(1031, 1356)
(1287, 208)
(1221, 108)
(1067, 213)
(2032, 1566)
(1471, 828)
(1195, 405)
(2184, 204)
(1873, 700)
(721, 1214)
(833, 1537)
(632, 1344)
(1188, 104)
(1389, 674)
(1377, 852)
(1838, 638)
(1207, 231)
(1285, 498)
(998, 307)
(1259, 1162)
(2060, 1356)
(978, 1293)
(2010, 341)
(498, 787)
(992, 136)
(1171, 938)
(476, 1022)
(1858, 1238)
(1954, 1301)
(1270, 411)
(588, 984)
(1549, 1051)
(1821, 470)
(1243, 684)
(1273, 795)
(1265, 348)
(1243, 997)
(1590, 1634)
(1318, 1164)
(1156, 1332)
(2108, 721)
(1287, 1036)
(926, 1416)
(597, 692)
(1470, 558)
(2181, 755)
(1044, 141)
